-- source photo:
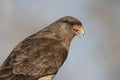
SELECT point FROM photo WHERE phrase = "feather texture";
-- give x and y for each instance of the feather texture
(36, 57)
(40, 55)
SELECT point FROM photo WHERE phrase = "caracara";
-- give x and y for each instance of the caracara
(40, 56)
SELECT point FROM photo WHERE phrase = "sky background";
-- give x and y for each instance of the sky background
(95, 57)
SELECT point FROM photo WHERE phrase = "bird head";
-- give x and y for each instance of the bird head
(63, 30)
(74, 24)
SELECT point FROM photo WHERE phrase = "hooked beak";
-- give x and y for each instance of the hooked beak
(78, 30)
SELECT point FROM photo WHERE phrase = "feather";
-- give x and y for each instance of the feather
(40, 55)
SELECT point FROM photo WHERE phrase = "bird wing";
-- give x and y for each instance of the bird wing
(34, 57)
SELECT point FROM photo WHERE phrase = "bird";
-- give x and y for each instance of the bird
(41, 55)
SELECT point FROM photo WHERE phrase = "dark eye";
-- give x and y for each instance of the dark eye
(72, 22)
(68, 22)
(65, 21)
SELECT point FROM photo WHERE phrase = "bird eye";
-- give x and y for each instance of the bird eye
(68, 22)
(71, 22)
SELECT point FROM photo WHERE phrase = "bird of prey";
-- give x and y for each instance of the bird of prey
(40, 56)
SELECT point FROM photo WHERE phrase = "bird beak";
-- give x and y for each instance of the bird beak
(78, 30)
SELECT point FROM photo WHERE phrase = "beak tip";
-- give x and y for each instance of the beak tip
(83, 33)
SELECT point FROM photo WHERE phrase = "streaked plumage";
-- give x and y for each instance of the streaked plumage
(42, 54)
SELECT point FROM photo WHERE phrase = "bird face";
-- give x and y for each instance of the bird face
(78, 30)
(73, 24)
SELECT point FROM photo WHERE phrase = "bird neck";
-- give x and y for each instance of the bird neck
(63, 36)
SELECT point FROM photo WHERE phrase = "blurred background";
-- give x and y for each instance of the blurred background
(95, 57)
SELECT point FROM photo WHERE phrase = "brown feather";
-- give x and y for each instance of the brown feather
(36, 59)
(41, 54)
